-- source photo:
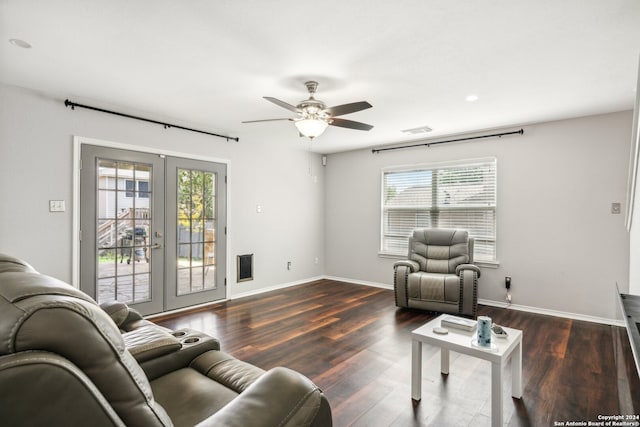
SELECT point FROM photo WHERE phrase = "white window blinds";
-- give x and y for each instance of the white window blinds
(451, 195)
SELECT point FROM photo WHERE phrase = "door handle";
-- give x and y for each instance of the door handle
(156, 246)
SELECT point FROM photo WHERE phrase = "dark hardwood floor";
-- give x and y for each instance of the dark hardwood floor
(355, 344)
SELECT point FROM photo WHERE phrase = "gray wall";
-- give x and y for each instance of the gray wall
(634, 273)
(36, 150)
(557, 238)
(556, 235)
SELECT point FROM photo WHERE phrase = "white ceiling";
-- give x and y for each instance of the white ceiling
(207, 64)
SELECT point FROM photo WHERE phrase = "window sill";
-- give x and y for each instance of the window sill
(483, 264)
(393, 256)
(487, 264)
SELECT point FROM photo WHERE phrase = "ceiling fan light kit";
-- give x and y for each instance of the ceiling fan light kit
(313, 116)
(311, 128)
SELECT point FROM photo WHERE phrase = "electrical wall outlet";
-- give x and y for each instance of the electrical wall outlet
(615, 208)
(507, 282)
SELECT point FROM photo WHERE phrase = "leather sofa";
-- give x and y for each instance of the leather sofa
(438, 274)
(65, 361)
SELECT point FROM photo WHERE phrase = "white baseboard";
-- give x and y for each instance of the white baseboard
(556, 313)
(273, 288)
(183, 309)
(233, 297)
(359, 282)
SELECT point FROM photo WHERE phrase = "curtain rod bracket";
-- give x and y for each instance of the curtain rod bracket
(73, 106)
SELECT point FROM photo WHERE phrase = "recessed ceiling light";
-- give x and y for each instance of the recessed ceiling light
(20, 43)
(471, 98)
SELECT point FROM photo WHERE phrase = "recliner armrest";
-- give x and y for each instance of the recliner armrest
(149, 342)
(472, 267)
(126, 318)
(411, 265)
(281, 397)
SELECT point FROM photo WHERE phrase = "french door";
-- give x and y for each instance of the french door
(152, 229)
(196, 243)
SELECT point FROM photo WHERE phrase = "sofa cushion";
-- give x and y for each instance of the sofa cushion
(226, 369)
(439, 250)
(9, 263)
(202, 396)
(433, 287)
(197, 399)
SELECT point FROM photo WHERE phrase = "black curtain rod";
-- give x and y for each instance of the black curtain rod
(428, 144)
(73, 105)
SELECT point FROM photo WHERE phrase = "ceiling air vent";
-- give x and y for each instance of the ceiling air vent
(417, 131)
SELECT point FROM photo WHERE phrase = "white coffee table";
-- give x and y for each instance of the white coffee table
(460, 342)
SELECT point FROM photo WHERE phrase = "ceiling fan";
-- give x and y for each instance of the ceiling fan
(313, 116)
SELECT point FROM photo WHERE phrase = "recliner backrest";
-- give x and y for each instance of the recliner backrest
(440, 250)
(40, 313)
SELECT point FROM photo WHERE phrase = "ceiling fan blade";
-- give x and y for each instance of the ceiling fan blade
(282, 104)
(350, 124)
(264, 120)
(340, 110)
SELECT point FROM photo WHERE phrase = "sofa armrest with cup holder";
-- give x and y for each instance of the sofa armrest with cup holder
(192, 344)
(157, 349)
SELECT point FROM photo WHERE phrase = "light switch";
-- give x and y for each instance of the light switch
(258, 208)
(57, 206)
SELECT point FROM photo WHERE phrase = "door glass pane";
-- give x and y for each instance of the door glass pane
(209, 196)
(196, 279)
(123, 226)
(196, 231)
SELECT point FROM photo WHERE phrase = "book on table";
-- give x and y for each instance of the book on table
(461, 323)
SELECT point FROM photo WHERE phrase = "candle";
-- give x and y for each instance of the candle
(484, 331)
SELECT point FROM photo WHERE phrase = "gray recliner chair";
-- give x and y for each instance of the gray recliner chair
(438, 274)
(65, 361)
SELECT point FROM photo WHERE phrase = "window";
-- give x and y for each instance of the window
(143, 189)
(129, 186)
(447, 195)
